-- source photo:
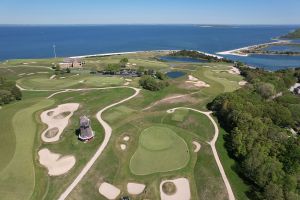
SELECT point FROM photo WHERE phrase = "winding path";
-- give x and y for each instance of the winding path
(108, 132)
(212, 144)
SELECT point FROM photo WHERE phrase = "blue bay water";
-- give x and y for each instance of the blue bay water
(37, 41)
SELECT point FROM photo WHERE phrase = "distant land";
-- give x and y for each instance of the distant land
(293, 35)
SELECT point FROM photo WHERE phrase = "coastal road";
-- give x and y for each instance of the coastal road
(212, 144)
(108, 132)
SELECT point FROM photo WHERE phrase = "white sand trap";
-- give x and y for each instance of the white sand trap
(192, 78)
(55, 118)
(127, 83)
(126, 138)
(22, 74)
(30, 74)
(52, 77)
(25, 63)
(196, 82)
(109, 191)
(123, 147)
(62, 77)
(182, 190)
(197, 145)
(135, 188)
(243, 83)
(170, 111)
(234, 70)
(55, 163)
(128, 80)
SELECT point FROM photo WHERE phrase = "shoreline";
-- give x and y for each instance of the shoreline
(237, 52)
(135, 52)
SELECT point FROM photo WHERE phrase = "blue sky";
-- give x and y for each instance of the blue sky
(149, 12)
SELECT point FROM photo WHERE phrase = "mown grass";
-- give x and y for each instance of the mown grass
(161, 144)
(42, 82)
(17, 179)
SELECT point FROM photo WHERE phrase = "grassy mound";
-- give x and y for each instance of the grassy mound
(160, 150)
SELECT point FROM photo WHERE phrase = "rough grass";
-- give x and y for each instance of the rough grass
(179, 115)
(239, 187)
(17, 180)
(160, 150)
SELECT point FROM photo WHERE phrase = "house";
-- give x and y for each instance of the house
(72, 63)
(86, 132)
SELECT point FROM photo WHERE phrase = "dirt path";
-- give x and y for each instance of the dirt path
(212, 144)
(108, 132)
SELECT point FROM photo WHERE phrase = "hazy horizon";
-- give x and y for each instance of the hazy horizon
(142, 12)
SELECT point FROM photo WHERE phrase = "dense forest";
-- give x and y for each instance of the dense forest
(262, 120)
(292, 35)
(198, 55)
(9, 91)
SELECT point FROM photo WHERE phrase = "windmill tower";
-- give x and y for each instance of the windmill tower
(54, 50)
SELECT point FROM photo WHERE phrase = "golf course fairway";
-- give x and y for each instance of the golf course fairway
(160, 150)
(17, 180)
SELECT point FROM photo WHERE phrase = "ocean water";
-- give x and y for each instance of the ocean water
(38, 41)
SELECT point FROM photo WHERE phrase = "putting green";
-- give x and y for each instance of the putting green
(160, 150)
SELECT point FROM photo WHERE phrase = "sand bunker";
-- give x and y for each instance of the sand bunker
(135, 188)
(109, 191)
(57, 119)
(52, 77)
(126, 138)
(234, 70)
(197, 145)
(182, 190)
(123, 147)
(196, 82)
(52, 132)
(55, 163)
(127, 83)
(242, 83)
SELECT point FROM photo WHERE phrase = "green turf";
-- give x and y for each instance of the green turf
(170, 154)
(17, 180)
(240, 188)
(160, 150)
(179, 115)
(71, 81)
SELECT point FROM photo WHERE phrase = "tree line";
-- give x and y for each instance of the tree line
(259, 119)
(200, 56)
(9, 91)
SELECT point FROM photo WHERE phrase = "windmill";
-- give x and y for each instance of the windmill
(54, 50)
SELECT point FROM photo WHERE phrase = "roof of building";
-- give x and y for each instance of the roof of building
(72, 60)
(86, 131)
(84, 121)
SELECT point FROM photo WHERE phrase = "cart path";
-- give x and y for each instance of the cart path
(108, 132)
(212, 144)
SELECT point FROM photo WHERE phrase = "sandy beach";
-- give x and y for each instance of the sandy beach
(237, 52)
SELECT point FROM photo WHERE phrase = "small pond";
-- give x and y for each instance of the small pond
(181, 59)
(175, 74)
